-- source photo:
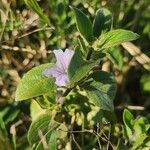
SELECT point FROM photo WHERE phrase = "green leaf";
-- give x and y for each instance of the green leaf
(121, 145)
(103, 21)
(49, 136)
(44, 125)
(114, 38)
(61, 11)
(145, 82)
(139, 141)
(83, 47)
(34, 6)
(39, 125)
(128, 121)
(5, 143)
(139, 126)
(101, 89)
(35, 110)
(53, 141)
(34, 83)
(115, 56)
(3, 130)
(139, 132)
(12, 116)
(146, 144)
(84, 25)
(78, 68)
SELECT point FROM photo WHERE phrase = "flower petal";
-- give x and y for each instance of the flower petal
(61, 77)
(63, 58)
(59, 71)
(54, 72)
(60, 61)
(68, 55)
(62, 80)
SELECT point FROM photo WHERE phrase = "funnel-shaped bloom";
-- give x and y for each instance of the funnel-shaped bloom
(59, 71)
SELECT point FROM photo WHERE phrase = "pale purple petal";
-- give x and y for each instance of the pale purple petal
(68, 55)
(59, 71)
(62, 80)
(63, 58)
(60, 61)
(53, 72)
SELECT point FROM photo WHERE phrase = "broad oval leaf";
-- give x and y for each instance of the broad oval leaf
(34, 83)
(102, 22)
(84, 25)
(114, 38)
(101, 89)
(78, 68)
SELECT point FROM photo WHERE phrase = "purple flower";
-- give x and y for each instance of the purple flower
(59, 71)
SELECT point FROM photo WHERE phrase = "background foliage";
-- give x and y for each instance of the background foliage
(28, 34)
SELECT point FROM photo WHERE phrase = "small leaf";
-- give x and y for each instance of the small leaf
(52, 144)
(35, 110)
(34, 83)
(114, 38)
(78, 68)
(51, 135)
(101, 89)
(44, 125)
(39, 125)
(102, 22)
(139, 126)
(84, 25)
(139, 132)
(115, 56)
(33, 5)
(128, 121)
(61, 11)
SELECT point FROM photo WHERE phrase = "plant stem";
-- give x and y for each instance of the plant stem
(89, 54)
(67, 92)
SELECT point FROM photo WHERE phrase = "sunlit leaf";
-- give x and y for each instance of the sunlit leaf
(34, 83)
(128, 121)
(114, 38)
